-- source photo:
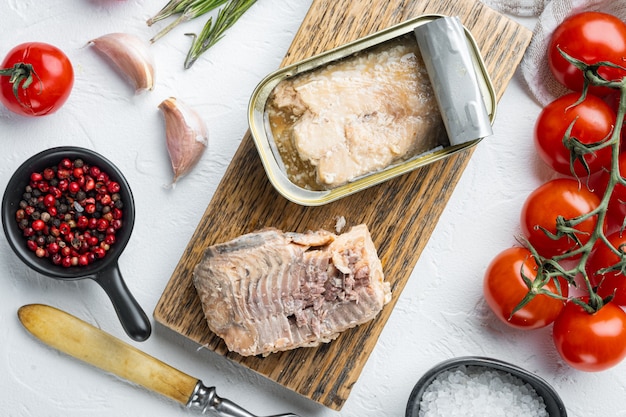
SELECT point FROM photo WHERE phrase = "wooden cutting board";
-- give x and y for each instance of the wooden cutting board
(400, 213)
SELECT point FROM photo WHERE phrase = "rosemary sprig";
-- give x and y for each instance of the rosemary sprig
(213, 32)
(171, 8)
(190, 10)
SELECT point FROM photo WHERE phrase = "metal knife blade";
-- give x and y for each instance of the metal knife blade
(83, 341)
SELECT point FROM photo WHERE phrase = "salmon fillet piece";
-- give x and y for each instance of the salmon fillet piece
(270, 291)
(361, 114)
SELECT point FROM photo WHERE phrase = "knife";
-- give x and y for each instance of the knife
(83, 341)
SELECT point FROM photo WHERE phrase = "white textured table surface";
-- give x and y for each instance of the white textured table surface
(441, 313)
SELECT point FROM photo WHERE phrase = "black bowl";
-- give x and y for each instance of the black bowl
(104, 271)
(554, 404)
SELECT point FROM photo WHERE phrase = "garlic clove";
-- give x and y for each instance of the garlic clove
(186, 135)
(131, 56)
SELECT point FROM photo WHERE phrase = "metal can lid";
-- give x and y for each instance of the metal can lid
(447, 57)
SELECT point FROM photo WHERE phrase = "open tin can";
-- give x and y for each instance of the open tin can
(464, 95)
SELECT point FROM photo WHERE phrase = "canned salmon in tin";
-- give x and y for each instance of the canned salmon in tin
(371, 110)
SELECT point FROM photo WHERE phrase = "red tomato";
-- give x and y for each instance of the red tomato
(504, 288)
(51, 79)
(594, 121)
(613, 282)
(590, 342)
(564, 197)
(590, 37)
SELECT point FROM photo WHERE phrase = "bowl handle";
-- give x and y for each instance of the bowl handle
(133, 318)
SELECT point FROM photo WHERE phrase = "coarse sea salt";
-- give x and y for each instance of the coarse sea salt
(473, 391)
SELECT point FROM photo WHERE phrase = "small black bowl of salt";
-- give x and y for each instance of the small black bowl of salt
(477, 386)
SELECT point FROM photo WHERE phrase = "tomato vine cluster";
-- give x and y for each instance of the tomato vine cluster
(569, 271)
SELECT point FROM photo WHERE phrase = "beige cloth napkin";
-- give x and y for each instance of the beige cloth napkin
(534, 67)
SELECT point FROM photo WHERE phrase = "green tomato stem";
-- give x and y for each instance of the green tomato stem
(21, 75)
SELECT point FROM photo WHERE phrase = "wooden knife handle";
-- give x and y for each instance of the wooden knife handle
(83, 341)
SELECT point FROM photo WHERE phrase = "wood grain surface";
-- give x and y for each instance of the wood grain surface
(400, 213)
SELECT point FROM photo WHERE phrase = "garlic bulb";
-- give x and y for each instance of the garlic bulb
(186, 135)
(131, 56)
